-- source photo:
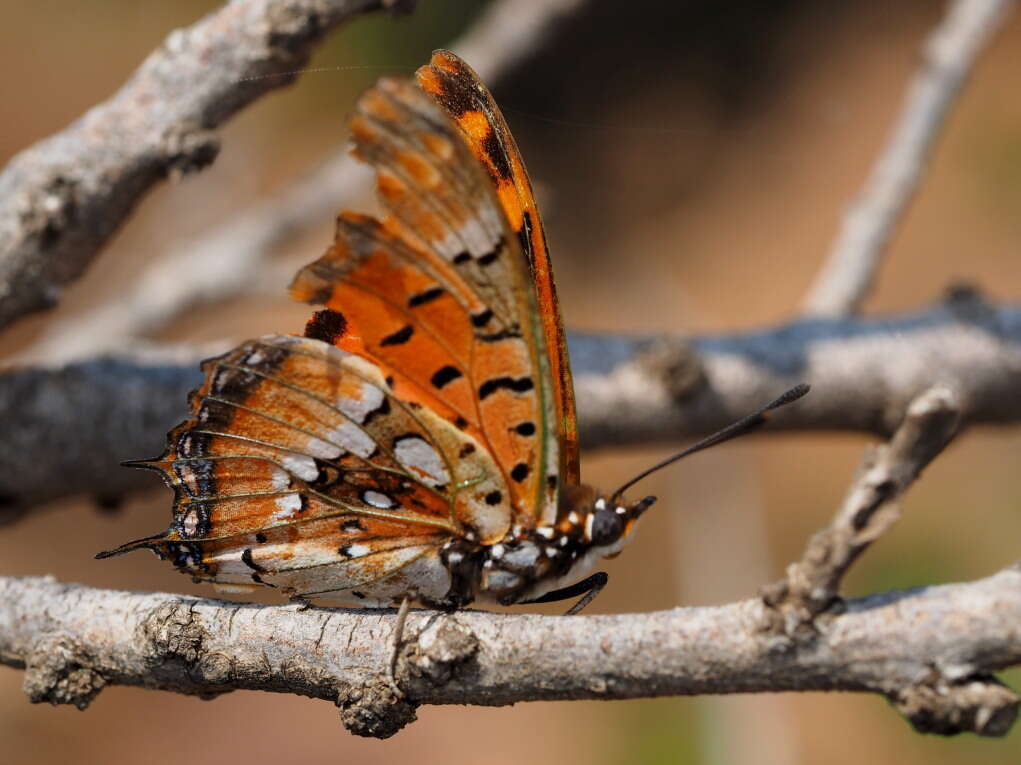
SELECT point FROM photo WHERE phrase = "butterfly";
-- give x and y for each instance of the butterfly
(419, 441)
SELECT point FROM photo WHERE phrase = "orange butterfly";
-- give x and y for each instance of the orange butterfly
(420, 440)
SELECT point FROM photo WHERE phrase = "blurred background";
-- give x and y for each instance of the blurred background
(692, 164)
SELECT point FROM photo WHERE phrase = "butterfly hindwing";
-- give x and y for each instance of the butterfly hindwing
(300, 458)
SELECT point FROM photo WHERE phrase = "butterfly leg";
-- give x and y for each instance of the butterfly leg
(300, 602)
(588, 588)
(395, 645)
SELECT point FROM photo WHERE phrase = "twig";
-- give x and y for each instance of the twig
(930, 650)
(79, 421)
(61, 199)
(870, 508)
(235, 257)
(948, 56)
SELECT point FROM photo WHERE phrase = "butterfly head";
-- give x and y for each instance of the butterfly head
(610, 521)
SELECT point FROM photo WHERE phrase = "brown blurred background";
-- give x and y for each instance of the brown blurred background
(692, 163)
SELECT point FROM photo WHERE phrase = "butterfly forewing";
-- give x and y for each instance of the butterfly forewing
(456, 88)
(440, 291)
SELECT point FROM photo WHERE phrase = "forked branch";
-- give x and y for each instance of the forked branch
(869, 510)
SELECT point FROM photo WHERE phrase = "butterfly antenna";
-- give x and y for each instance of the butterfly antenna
(138, 544)
(735, 429)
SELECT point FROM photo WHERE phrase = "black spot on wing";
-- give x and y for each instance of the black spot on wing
(261, 538)
(462, 258)
(445, 375)
(400, 337)
(326, 325)
(380, 411)
(516, 384)
(246, 558)
(352, 526)
(426, 296)
(503, 334)
(482, 318)
(215, 415)
(196, 477)
(520, 472)
(494, 150)
(525, 428)
(489, 258)
(466, 450)
(192, 444)
(494, 498)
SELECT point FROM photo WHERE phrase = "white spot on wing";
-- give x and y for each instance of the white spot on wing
(301, 465)
(319, 448)
(418, 456)
(378, 499)
(280, 479)
(353, 438)
(356, 551)
(288, 505)
(358, 408)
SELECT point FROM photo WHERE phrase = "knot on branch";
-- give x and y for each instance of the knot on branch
(797, 608)
(378, 708)
(676, 365)
(188, 148)
(442, 649)
(968, 304)
(375, 709)
(981, 705)
(46, 213)
(171, 633)
(59, 671)
(173, 638)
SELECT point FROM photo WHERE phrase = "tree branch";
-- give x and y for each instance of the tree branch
(930, 650)
(221, 262)
(947, 58)
(869, 510)
(82, 419)
(61, 199)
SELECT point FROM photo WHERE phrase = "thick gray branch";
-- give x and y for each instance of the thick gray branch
(948, 56)
(221, 262)
(930, 650)
(80, 420)
(61, 199)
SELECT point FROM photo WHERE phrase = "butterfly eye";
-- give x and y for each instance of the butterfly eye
(607, 526)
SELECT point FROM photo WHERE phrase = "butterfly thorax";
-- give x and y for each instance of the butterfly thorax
(531, 561)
